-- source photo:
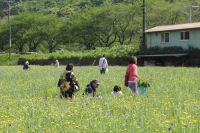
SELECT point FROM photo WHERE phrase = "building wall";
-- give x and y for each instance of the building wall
(154, 39)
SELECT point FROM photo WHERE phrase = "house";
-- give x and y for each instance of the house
(180, 35)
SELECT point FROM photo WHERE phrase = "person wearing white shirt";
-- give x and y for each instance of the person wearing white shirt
(103, 64)
(116, 91)
(57, 64)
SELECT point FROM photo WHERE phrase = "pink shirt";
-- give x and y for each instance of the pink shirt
(131, 73)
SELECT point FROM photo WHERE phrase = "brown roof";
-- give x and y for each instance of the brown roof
(174, 27)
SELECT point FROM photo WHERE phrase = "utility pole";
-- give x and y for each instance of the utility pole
(69, 37)
(144, 13)
(191, 12)
(9, 26)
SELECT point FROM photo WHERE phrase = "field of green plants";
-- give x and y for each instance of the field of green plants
(29, 101)
(111, 52)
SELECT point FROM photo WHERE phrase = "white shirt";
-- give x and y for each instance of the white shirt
(57, 64)
(119, 93)
(103, 62)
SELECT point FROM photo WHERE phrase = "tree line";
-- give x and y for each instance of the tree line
(89, 23)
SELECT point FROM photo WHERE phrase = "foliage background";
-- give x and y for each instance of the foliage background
(116, 52)
(47, 25)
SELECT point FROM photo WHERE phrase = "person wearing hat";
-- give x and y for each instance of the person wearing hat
(91, 88)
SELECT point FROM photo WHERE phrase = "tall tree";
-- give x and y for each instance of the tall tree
(20, 25)
(4, 34)
(50, 30)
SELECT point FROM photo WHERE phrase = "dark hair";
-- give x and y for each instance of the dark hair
(94, 81)
(69, 67)
(133, 60)
(117, 88)
(104, 55)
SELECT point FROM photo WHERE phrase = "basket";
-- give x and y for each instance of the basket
(142, 90)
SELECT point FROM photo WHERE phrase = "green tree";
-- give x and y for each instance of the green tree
(81, 30)
(50, 30)
(34, 35)
(4, 34)
(20, 25)
(3, 8)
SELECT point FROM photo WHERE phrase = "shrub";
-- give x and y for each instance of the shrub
(113, 52)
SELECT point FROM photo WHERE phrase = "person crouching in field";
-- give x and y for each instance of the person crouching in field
(68, 83)
(117, 91)
(91, 88)
(26, 66)
(132, 75)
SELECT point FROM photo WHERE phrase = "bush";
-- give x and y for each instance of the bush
(116, 52)
(156, 48)
(113, 52)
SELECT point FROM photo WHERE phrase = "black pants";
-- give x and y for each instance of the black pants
(103, 71)
(66, 94)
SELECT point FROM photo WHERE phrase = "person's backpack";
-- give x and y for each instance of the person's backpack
(75, 86)
(68, 83)
(104, 61)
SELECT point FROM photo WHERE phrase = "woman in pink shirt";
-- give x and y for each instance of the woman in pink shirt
(131, 75)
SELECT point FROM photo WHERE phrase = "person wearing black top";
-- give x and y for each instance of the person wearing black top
(26, 66)
(91, 88)
(68, 83)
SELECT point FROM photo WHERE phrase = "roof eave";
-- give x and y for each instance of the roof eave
(148, 31)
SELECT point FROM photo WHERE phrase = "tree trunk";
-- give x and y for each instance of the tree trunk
(50, 46)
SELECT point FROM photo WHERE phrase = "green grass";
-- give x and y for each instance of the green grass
(4, 59)
(29, 101)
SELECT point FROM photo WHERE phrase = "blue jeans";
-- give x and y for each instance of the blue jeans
(103, 71)
(133, 86)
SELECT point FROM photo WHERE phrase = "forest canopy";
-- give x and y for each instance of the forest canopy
(86, 24)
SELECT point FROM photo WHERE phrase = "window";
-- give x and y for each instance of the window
(185, 35)
(165, 37)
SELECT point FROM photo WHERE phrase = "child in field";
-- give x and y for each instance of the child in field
(68, 83)
(91, 88)
(116, 91)
(132, 75)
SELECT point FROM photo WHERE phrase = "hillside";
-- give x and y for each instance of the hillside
(86, 24)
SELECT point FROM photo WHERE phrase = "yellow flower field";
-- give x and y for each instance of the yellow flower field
(29, 101)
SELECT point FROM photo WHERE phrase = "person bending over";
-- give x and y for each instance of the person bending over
(91, 88)
(26, 66)
(68, 83)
